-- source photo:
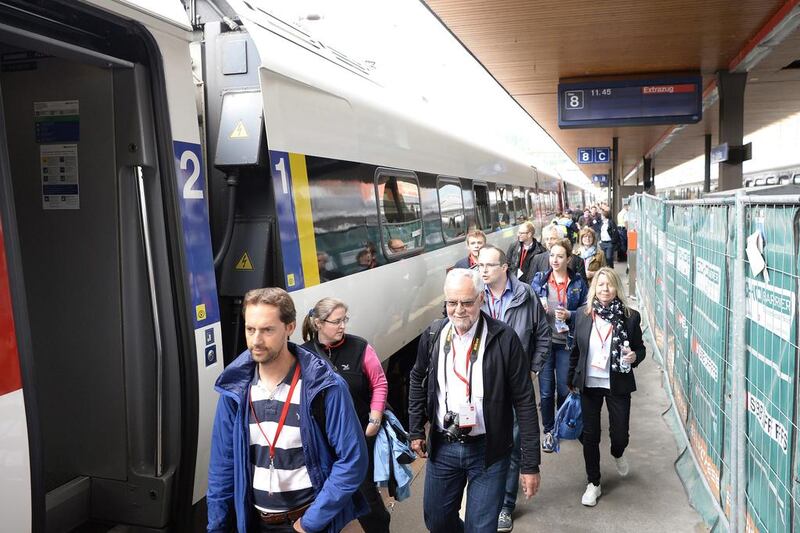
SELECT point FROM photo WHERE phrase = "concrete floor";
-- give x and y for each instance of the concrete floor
(651, 498)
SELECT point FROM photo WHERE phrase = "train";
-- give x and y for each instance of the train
(157, 160)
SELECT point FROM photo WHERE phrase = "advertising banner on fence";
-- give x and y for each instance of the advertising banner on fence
(771, 308)
(709, 333)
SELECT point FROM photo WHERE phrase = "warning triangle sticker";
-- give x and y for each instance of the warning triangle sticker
(244, 263)
(239, 132)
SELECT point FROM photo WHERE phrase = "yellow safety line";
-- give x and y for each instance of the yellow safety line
(305, 223)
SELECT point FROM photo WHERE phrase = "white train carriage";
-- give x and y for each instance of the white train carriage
(113, 317)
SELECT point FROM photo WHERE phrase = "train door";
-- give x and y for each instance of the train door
(93, 227)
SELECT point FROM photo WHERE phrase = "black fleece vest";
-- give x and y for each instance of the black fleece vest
(348, 361)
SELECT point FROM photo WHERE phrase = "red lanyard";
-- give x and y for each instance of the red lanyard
(522, 255)
(284, 412)
(491, 307)
(472, 347)
(472, 261)
(561, 293)
(597, 330)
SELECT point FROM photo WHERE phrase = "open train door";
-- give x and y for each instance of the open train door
(109, 328)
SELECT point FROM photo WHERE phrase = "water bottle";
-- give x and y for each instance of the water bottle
(559, 325)
(623, 366)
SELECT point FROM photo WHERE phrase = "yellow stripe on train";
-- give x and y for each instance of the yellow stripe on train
(301, 193)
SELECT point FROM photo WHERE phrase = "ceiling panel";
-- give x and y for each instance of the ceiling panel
(527, 46)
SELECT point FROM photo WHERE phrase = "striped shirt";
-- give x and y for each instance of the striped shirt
(290, 486)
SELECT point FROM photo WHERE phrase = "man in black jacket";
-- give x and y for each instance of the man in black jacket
(521, 253)
(470, 377)
(516, 304)
(541, 263)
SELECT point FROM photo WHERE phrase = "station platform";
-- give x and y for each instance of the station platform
(650, 498)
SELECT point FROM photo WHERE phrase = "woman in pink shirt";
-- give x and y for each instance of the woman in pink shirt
(356, 361)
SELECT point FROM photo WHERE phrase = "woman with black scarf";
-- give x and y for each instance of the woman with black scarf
(608, 345)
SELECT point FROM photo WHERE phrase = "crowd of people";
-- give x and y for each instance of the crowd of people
(294, 439)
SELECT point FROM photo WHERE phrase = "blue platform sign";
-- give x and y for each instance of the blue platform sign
(588, 156)
(665, 99)
(585, 156)
(719, 154)
(600, 179)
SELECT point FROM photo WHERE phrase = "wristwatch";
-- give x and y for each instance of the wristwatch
(375, 421)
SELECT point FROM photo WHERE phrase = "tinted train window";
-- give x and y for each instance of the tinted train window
(400, 212)
(482, 209)
(519, 206)
(451, 209)
(345, 218)
(503, 203)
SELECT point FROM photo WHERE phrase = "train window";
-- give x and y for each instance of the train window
(400, 212)
(451, 209)
(784, 178)
(503, 204)
(772, 180)
(796, 178)
(760, 181)
(519, 205)
(483, 212)
(343, 208)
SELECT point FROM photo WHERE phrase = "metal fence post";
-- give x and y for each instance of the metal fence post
(739, 366)
(663, 266)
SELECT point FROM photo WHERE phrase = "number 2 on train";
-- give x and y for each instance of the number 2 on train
(189, 192)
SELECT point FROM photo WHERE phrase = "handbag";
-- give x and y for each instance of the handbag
(569, 420)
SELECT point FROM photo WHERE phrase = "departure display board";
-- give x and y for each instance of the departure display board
(630, 102)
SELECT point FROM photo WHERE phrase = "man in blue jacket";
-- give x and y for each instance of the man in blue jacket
(287, 450)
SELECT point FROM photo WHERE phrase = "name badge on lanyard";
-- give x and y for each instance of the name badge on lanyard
(600, 359)
(467, 415)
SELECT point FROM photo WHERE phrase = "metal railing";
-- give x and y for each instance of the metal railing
(726, 328)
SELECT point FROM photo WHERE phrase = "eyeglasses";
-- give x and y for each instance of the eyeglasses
(466, 304)
(484, 266)
(523, 232)
(337, 323)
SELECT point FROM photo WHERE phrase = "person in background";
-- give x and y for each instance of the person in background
(592, 256)
(561, 291)
(356, 361)
(521, 253)
(476, 239)
(396, 246)
(622, 229)
(541, 263)
(470, 378)
(324, 273)
(271, 472)
(609, 237)
(608, 346)
(515, 303)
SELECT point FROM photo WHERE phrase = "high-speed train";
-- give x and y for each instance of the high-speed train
(158, 160)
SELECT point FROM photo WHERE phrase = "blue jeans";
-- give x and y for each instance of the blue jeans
(448, 470)
(553, 372)
(608, 249)
(512, 479)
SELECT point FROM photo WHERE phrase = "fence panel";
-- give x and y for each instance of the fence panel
(708, 418)
(771, 370)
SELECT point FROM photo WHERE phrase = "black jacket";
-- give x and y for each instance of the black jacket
(507, 388)
(513, 256)
(541, 263)
(620, 383)
(526, 316)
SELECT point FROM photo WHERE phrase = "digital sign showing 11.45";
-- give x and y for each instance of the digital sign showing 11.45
(630, 102)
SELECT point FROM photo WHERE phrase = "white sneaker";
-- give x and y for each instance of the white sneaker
(623, 467)
(589, 498)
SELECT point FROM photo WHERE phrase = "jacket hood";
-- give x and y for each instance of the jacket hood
(315, 372)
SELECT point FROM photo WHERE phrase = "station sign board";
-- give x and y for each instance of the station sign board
(600, 179)
(592, 155)
(719, 154)
(664, 99)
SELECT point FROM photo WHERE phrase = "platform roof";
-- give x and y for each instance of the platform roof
(528, 46)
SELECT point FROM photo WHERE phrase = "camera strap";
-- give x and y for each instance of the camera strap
(469, 362)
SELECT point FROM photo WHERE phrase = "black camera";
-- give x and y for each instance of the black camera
(452, 431)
